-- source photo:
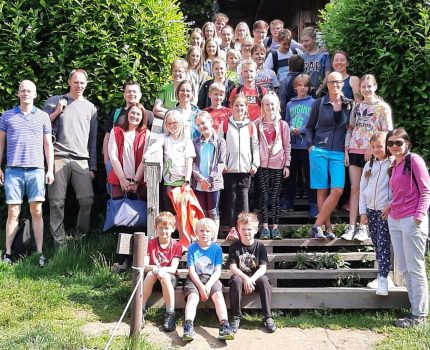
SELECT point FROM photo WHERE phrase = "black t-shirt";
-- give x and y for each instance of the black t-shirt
(110, 124)
(248, 258)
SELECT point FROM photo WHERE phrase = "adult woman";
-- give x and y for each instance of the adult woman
(126, 146)
(408, 222)
(184, 94)
(325, 137)
(351, 83)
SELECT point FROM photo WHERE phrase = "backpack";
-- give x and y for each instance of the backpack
(116, 115)
(259, 92)
(275, 59)
(23, 242)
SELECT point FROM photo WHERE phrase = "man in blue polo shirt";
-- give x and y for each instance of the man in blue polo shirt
(26, 130)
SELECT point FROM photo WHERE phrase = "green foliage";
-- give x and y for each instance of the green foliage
(114, 40)
(390, 39)
(197, 12)
(320, 261)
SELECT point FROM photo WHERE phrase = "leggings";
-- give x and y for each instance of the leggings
(380, 235)
(269, 189)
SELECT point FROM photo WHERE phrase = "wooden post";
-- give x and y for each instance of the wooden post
(136, 305)
(152, 176)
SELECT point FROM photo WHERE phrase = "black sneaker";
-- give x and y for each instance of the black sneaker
(188, 331)
(225, 332)
(169, 324)
(235, 324)
(270, 325)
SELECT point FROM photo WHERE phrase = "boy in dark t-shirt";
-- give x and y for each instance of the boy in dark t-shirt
(248, 264)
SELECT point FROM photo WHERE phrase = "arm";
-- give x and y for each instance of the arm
(92, 143)
(362, 199)
(116, 165)
(286, 142)
(188, 171)
(268, 63)
(54, 106)
(419, 170)
(310, 126)
(255, 150)
(204, 295)
(2, 144)
(215, 277)
(282, 94)
(260, 272)
(385, 119)
(355, 86)
(220, 166)
(350, 128)
(158, 109)
(248, 283)
(49, 156)
(105, 148)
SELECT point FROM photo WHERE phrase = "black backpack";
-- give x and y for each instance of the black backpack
(23, 242)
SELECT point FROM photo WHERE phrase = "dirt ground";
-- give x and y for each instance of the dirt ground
(284, 338)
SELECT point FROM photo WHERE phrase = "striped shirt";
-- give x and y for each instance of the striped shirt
(24, 137)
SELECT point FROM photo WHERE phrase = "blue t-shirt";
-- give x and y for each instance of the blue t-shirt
(204, 260)
(315, 66)
(207, 150)
(297, 115)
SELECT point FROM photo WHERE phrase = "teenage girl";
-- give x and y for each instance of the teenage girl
(367, 118)
(243, 160)
(241, 31)
(197, 38)
(210, 52)
(197, 75)
(209, 32)
(375, 196)
(275, 156)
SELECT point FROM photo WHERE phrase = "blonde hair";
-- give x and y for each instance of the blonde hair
(242, 97)
(379, 136)
(311, 32)
(248, 63)
(165, 218)
(248, 218)
(271, 96)
(217, 86)
(207, 223)
(179, 63)
(173, 113)
(303, 78)
(247, 31)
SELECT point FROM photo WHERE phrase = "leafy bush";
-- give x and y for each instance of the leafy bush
(114, 40)
(197, 12)
(390, 39)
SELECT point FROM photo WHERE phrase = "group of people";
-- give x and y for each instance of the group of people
(237, 106)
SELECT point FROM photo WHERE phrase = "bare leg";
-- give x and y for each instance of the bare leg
(168, 291)
(220, 307)
(327, 205)
(11, 224)
(191, 306)
(354, 176)
(148, 285)
(37, 221)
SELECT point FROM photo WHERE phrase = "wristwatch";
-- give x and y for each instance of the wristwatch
(133, 182)
(187, 182)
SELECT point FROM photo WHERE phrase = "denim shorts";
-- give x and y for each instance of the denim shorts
(327, 168)
(21, 181)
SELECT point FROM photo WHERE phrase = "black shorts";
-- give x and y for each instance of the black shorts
(190, 287)
(356, 159)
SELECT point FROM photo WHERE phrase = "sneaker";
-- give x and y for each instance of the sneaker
(287, 206)
(270, 325)
(7, 260)
(349, 233)
(374, 284)
(330, 234)
(382, 286)
(169, 324)
(361, 233)
(42, 260)
(233, 235)
(235, 324)
(265, 234)
(188, 331)
(313, 211)
(276, 234)
(316, 232)
(411, 321)
(225, 332)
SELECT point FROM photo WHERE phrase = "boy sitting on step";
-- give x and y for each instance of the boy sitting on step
(248, 264)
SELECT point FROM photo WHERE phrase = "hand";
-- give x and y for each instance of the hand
(253, 169)
(204, 294)
(296, 132)
(385, 212)
(61, 105)
(418, 222)
(162, 273)
(248, 285)
(124, 183)
(92, 175)
(1, 177)
(132, 187)
(204, 185)
(49, 178)
(185, 186)
(286, 172)
(310, 149)
(363, 219)
(368, 154)
(346, 159)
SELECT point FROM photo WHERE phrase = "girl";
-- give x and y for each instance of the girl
(351, 83)
(243, 160)
(367, 118)
(241, 31)
(178, 154)
(126, 146)
(184, 94)
(317, 63)
(408, 223)
(208, 166)
(196, 38)
(210, 52)
(197, 75)
(275, 148)
(209, 32)
(374, 206)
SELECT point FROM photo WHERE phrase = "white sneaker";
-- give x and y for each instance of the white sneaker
(373, 284)
(382, 286)
(361, 233)
(349, 233)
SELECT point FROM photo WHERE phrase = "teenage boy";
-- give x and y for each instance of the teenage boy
(227, 34)
(265, 77)
(221, 21)
(248, 264)
(259, 31)
(271, 41)
(204, 261)
(219, 70)
(161, 264)
(277, 60)
(250, 89)
(296, 66)
(218, 112)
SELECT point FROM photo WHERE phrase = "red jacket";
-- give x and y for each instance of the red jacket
(138, 146)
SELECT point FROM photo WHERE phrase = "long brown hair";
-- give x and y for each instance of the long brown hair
(399, 132)
(142, 124)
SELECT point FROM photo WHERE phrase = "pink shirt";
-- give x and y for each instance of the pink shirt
(408, 199)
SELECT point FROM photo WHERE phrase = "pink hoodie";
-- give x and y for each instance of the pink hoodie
(408, 199)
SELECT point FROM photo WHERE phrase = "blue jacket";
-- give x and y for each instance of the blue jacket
(297, 115)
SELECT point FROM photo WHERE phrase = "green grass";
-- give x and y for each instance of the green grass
(47, 308)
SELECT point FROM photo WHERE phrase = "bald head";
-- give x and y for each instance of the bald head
(333, 76)
(26, 93)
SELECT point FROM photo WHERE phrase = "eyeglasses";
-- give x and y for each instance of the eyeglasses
(172, 123)
(398, 143)
(335, 82)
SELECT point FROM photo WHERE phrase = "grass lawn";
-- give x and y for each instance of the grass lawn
(46, 308)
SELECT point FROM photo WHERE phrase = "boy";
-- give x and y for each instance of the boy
(233, 59)
(161, 264)
(250, 89)
(277, 60)
(248, 264)
(271, 41)
(218, 112)
(265, 77)
(204, 261)
(227, 34)
(259, 31)
(296, 66)
(220, 20)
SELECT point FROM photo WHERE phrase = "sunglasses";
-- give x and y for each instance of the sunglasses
(398, 143)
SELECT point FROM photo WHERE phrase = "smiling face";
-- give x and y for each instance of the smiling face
(27, 92)
(340, 63)
(270, 107)
(259, 35)
(334, 83)
(259, 56)
(218, 71)
(211, 49)
(240, 32)
(134, 117)
(239, 109)
(195, 56)
(172, 124)
(302, 89)
(196, 39)
(226, 36)
(179, 73)
(216, 96)
(209, 32)
(77, 83)
(233, 61)
(248, 72)
(397, 146)
(378, 148)
(132, 94)
(275, 29)
(204, 124)
(164, 231)
(185, 93)
(368, 89)
(219, 24)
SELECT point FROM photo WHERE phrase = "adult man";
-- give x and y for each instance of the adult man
(27, 131)
(75, 121)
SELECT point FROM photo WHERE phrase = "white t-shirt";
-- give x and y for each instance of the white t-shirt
(175, 153)
(128, 166)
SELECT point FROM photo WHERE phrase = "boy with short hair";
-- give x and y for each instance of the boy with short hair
(204, 260)
(271, 41)
(296, 66)
(218, 112)
(248, 264)
(250, 89)
(220, 20)
(259, 31)
(265, 77)
(233, 59)
(161, 264)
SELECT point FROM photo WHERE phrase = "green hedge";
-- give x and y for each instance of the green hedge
(390, 39)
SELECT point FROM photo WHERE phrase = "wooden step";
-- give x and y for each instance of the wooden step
(308, 298)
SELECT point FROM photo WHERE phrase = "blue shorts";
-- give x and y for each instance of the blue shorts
(327, 168)
(21, 181)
